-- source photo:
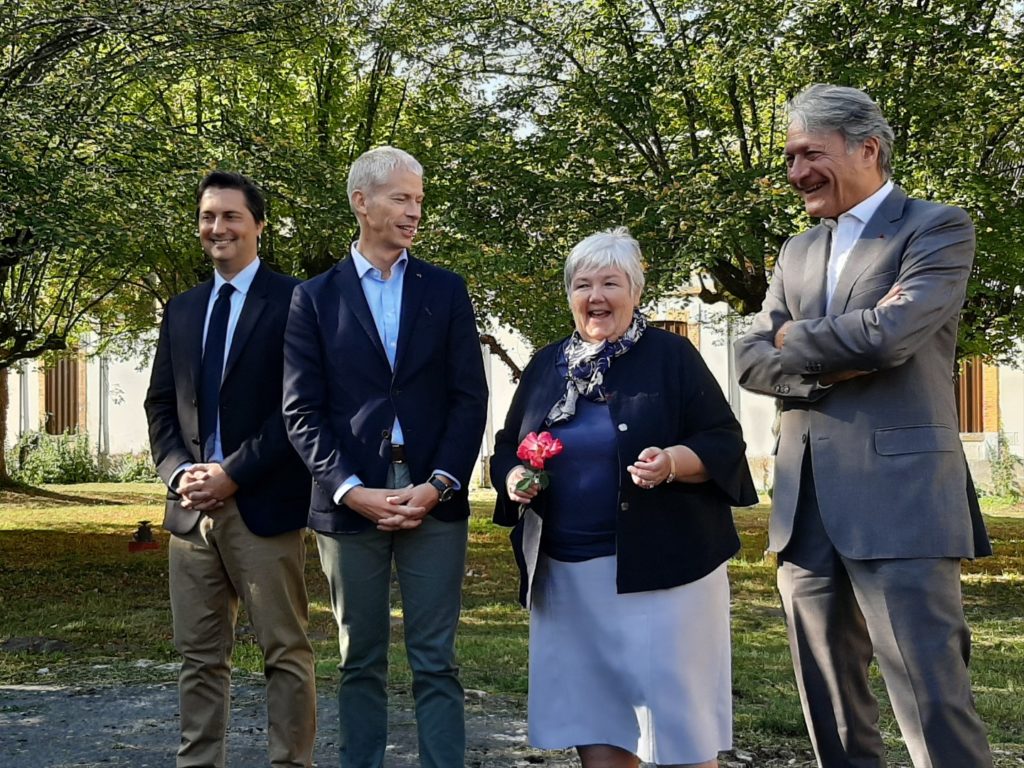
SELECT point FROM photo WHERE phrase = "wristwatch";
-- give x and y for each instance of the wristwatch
(444, 490)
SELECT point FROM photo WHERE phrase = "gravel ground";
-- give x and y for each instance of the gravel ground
(99, 726)
(137, 725)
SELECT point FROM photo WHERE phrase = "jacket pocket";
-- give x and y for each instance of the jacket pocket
(921, 438)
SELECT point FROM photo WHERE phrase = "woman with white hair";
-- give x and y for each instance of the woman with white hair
(622, 557)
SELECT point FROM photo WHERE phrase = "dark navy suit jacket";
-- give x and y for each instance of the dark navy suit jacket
(273, 485)
(341, 396)
(660, 393)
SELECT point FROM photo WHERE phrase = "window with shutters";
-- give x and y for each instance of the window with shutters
(678, 327)
(64, 395)
(970, 395)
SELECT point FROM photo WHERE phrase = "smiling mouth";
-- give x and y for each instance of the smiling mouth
(811, 190)
(408, 229)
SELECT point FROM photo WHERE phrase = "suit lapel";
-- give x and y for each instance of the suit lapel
(193, 313)
(252, 309)
(877, 234)
(812, 297)
(413, 290)
(354, 300)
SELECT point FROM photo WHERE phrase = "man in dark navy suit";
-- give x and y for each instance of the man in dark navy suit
(385, 399)
(238, 493)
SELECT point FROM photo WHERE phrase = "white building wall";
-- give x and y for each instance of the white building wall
(126, 417)
(92, 401)
(756, 413)
(1011, 404)
(13, 407)
(501, 388)
(129, 431)
(716, 329)
(23, 407)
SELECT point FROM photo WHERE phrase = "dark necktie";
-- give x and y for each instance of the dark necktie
(213, 367)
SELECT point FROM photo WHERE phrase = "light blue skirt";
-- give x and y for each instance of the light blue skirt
(649, 672)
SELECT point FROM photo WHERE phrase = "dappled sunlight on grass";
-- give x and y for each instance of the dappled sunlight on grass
(80, 605)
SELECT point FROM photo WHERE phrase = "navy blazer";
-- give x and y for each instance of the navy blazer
(341, 396)
(273, 485)
(660, 393)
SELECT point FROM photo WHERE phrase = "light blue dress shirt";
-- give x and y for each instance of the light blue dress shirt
(384, 297)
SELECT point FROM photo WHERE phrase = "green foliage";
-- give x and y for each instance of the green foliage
(1006, 468)
(537, 122)
(38, 458)
(669, 117)
(129, 468)
(43, 458)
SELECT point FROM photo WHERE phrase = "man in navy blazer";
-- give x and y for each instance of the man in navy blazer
(238, 493)
(385, 400)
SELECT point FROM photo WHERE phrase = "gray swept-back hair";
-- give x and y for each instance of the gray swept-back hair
(610, 248)
(821, 108)
(372, 168)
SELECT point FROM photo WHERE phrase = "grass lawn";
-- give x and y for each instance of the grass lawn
(76, 607)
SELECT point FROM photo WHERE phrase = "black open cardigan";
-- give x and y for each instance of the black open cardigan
(660, 393)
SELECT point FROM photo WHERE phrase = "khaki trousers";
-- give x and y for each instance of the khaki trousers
(211, 568)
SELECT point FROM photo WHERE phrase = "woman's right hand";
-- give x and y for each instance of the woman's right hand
(515, 475)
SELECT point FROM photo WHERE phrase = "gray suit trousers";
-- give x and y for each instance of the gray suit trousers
(908, 613)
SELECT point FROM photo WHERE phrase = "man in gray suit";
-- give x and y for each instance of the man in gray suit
(873, 507)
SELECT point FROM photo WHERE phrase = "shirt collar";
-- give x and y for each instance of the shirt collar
(241, 282)
(363, 265)
(865, 209)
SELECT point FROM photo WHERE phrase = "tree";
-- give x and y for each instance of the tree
(74, 195)
(668, 116)
(538, 123)
(117, 113)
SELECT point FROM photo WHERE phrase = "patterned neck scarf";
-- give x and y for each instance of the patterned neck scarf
(588, 362)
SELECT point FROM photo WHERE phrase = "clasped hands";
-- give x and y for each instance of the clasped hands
(393, 509)
(205, 487)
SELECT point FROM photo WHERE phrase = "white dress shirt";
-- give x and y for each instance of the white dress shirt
(241, 282)
(847, 232)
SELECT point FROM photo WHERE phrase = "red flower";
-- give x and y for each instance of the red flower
(536, 449)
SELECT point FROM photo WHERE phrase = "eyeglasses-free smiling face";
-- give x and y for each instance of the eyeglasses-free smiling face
(831, 179)
(602, 303)
(227, 230)
(389, 214)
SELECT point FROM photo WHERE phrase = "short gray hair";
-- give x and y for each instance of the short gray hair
(372, 168)
(609, 248)
(822, 108)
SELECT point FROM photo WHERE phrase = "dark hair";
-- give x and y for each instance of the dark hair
(230, 180)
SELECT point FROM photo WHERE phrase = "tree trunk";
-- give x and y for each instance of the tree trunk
(4, 401)
(503, 355)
